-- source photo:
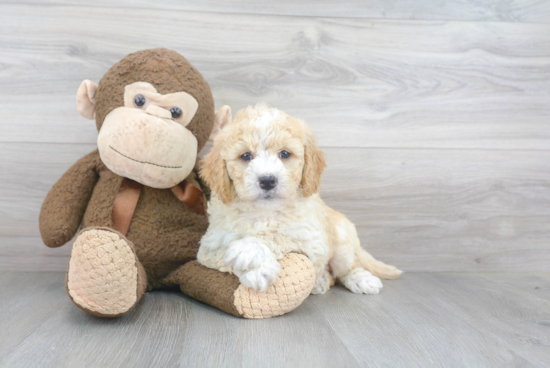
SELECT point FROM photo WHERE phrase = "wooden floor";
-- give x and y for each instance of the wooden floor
(422, 320)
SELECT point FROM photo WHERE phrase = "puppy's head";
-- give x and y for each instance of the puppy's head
(264, 156)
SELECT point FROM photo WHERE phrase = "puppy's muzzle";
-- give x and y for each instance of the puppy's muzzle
(268, 182)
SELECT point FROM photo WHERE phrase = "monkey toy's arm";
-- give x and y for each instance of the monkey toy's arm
(64, 206)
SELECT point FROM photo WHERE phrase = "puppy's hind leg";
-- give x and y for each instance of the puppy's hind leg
(323, 282)
(365, 276)
(354, 267)
(361, 281)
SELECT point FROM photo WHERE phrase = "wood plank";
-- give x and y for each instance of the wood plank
(423, 210)
(421, 320)
(28, 301)
(447, 210)
(537, 284)
(358, 82)
(170, 329)
(451, 320)
(537, 11)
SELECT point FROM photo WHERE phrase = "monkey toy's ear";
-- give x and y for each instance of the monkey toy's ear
(85, 99)
(221, 119)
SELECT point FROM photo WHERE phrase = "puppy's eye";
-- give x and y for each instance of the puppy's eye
(246, 157)
(176, 112)
(139, 100)
(284, 155)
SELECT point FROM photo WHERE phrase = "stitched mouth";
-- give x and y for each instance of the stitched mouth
(145, 162)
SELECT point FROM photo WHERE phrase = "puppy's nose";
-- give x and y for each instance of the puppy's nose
(268, 182)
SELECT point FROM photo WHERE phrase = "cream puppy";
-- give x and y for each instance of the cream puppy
(265, 171)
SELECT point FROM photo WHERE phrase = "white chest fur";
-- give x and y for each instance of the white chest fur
(299, 227)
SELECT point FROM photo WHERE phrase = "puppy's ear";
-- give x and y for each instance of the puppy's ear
(214, 172)
(221, 119)
(314, 164)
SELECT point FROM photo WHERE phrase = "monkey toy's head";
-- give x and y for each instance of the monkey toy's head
(154, 111)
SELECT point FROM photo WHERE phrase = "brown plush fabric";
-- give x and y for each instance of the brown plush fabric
(207, 285)
(164, 233)
(64, 206)
(169, 72)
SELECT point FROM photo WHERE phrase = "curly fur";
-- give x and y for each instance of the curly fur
(250, 228)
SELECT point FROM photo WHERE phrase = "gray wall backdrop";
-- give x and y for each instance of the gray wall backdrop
(435, 115)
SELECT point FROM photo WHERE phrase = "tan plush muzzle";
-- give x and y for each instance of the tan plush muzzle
(146, 146)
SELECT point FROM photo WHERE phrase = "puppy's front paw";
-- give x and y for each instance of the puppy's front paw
(253, 263)
(361, 281)
(247, 254)
(261, 277)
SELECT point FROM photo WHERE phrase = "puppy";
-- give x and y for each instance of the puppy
(265, 171)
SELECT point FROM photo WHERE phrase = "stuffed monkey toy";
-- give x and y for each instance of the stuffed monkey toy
(139, 202)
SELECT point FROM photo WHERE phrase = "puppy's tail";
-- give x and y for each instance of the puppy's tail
(376, 267)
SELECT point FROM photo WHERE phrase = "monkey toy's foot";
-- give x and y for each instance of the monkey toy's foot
(295, 283)
(105, 277)
(224, 291)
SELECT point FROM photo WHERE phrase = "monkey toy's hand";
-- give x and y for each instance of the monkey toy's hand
(64, 206)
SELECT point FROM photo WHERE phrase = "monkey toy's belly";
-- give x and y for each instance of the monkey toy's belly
(165, 233)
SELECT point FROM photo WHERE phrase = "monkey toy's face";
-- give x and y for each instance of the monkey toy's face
(161, 151)
(148, 135)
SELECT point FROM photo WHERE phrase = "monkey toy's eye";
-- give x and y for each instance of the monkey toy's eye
(284, 155)
(176, 112)
(246, 157)
(139, 100)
